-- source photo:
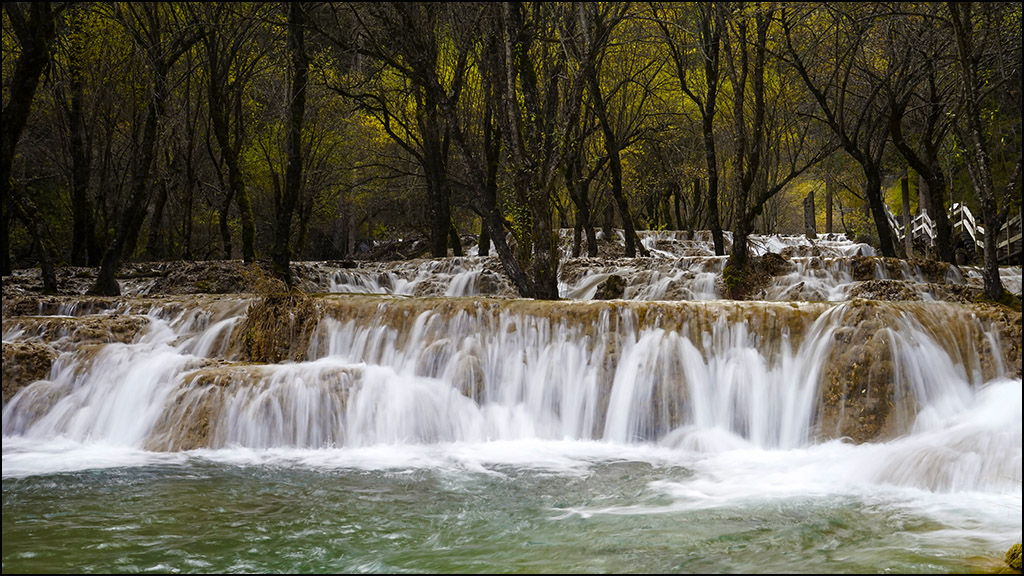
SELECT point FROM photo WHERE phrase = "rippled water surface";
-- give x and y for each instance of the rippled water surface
(506, 507)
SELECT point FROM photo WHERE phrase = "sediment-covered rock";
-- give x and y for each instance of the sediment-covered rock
(277, 327)
(24, 363)
(243, 403)
(67, 332)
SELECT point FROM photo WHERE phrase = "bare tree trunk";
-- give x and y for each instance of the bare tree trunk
(715, 221)
(35, 32)
(810, 226)
(225, 231)
(30, 216)
(873, 191)
(155, 247)
(161, 54)
(455, 240)
(633, 244)
(286, 201)
(130, 224)
(976, 153)
(830, 188)
(81, 160)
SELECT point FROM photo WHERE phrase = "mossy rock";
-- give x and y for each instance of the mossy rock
(278, 327)
(751, 282)
(24, 363)
(68, 332)
(613, 288)
(1008, 299)
(933, 270)
(1013, 557)
(887, 290)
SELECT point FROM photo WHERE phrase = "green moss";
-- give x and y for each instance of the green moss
(1008, 299)
(1013, 557)
(278, 327)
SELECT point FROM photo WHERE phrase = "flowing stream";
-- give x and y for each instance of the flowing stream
(470, 434)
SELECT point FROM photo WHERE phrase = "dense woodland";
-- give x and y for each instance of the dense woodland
(271, 132)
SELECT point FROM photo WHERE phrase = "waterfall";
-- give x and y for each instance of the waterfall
(382, 370)
(820, 384)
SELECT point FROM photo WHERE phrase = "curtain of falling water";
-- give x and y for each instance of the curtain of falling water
(394, 373)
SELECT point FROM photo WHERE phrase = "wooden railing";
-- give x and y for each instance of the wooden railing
(922, 229)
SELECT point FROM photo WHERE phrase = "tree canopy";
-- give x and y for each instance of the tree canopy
(324, 130)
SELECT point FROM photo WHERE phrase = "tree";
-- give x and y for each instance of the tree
(920, 98)
(700, 84)
(230, 40)
(980, 38)
(286, 198)
(72, 52)
(772, 144)
(537, 98)
(35, 32)
(157, 30)
(408, 40)
(828, 46)
(579, 176)
(596, 25)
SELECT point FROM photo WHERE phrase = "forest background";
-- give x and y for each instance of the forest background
(270, 132)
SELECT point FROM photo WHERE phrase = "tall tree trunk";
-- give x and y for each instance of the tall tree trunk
(219, 106)
(285, 201)
(31, 217)
(710, 158)
(455, 239)
(186, 219)
(35, 32)
(82, 236)
(226, 247)
(156, 248)
(633, 244)
(236, 186)
(873, 192)
(545, 248)
(161, 53)
(608, 223)
(932, 194)
(480, 167)
(492, 151)
(577, 193)
(830, 188)
(434, 169)
(737, 266)
(937, 211)
(908, 218)
(676, 206)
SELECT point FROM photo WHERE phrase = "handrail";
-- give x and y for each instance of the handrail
(922, 228)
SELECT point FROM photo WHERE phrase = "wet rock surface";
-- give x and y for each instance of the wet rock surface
(67, 332)
(24, 363)
(613, 288)
(858, 395)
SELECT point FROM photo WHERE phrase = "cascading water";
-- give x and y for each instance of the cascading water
(462, 434)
